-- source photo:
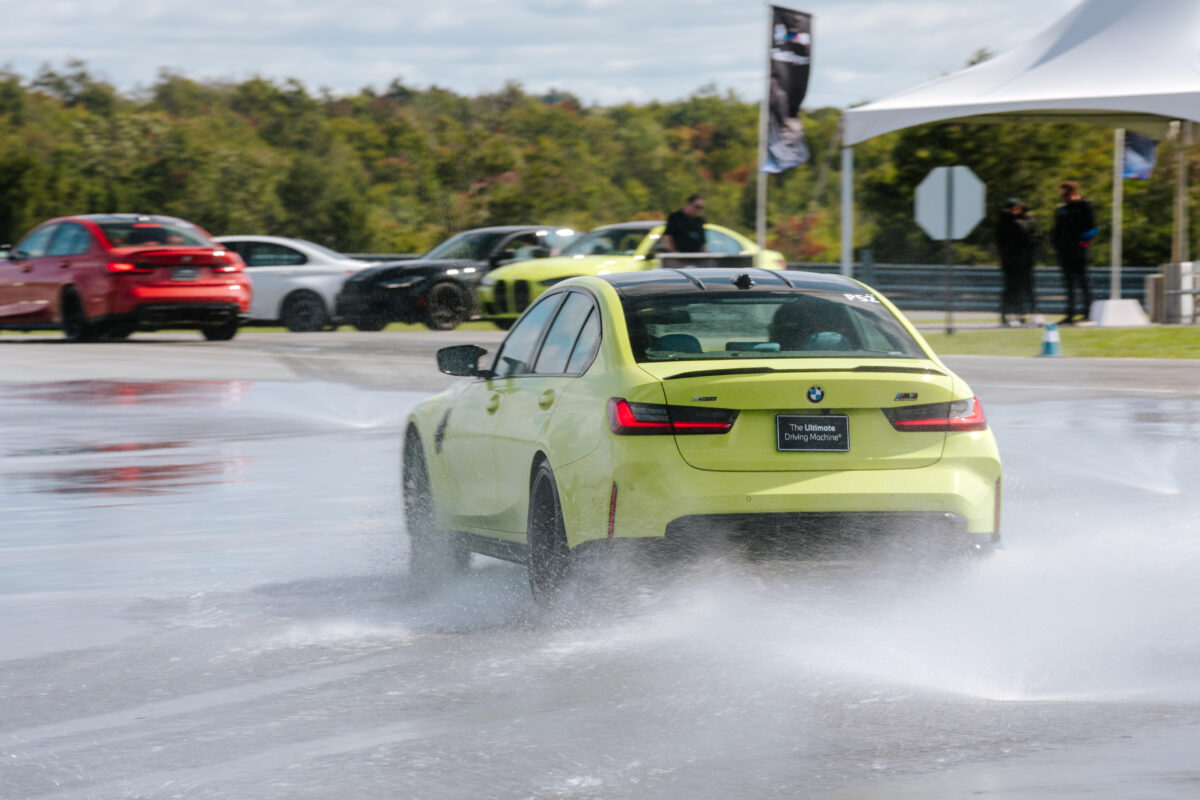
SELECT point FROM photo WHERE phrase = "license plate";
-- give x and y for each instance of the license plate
(183, 274)
(807, 433)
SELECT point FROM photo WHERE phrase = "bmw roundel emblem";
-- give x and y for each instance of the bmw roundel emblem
(815, 394)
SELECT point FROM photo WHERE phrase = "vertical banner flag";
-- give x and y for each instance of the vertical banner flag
(1139, 156)
(791, 56)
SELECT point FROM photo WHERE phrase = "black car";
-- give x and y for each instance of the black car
(438, 288)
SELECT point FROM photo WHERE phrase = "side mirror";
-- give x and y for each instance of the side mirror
(462, 359)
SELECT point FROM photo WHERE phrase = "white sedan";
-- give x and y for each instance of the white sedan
(294, 281)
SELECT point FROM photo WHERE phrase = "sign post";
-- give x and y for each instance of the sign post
(949, 204)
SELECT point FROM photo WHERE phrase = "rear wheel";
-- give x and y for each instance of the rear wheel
(304, 312)
(434, 554)
(447, 306)
(75, 324)
(549, 556)
(220, 333)
(503, 324)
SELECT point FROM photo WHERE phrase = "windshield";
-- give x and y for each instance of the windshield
(146, 233)
(608, 242)
(473, 246)
(785, 324)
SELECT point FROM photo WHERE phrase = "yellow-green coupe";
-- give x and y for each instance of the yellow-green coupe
(630, 246)
(681, 405)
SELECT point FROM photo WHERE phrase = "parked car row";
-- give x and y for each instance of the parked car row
(108, 275)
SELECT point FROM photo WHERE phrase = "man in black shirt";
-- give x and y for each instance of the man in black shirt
(685, 228)
(1074, 230)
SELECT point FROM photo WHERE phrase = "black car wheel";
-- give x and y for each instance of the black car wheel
(304, 312)
(75, 325)
(447, 306)
(434, 554)
(549, 557)
(220, 333)
(503, 324)
(117, 330)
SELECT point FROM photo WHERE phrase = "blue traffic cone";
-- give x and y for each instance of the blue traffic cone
(1051, 345)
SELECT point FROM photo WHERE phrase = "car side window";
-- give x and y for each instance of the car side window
(519, 348)
(70, 240)
(37, 243)
(586, 345)
(269, 254)
(523, 245)
(560, 341)
(717, 242)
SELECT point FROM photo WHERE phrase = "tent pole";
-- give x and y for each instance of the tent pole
(847, 210)
(1118, 202)
(1179, 248)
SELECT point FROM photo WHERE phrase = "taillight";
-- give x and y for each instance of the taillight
(634, 419)
(124, 267)
(228, 265)
(957, 415)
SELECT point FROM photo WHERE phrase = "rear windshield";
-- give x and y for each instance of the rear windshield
(718, 326)
(148, 234)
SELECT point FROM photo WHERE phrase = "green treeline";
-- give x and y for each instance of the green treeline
(399, 170)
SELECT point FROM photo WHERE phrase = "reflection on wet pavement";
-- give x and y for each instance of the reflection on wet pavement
(204, 593)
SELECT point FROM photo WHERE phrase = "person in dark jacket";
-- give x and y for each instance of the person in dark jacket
(1017, 238)
(685, 228)
(1074, 231)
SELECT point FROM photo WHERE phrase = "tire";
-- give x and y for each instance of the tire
(372, 323)
(75, 325)
(447, 306)
(220, 333)
(549, 557)
(304, 312)
(503, 324)
(434, 554)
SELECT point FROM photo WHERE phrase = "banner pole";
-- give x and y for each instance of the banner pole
(760, 205)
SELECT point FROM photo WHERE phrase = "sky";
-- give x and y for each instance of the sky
(605, 52)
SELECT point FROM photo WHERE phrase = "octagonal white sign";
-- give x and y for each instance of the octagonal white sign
(950, 202)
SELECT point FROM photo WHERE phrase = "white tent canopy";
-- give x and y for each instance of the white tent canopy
(1120, 63)
(1123, 63)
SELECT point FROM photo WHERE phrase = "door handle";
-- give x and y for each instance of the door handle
(547, 399)
(64, 265)
(27, 268)
(493, 403)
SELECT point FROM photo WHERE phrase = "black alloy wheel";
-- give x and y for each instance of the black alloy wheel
(304, 312)
(447, 306)
(220, 333)
(75, 324)
(549, 556)
(434, 554)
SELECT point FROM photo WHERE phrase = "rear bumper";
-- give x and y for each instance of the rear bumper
(957, 498)
(159, 316)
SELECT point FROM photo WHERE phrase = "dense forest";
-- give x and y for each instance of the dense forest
(398, 170)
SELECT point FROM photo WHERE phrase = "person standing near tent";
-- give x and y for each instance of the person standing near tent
(685, 228)
(1017, 239)
(1074, 231)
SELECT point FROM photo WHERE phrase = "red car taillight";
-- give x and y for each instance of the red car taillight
(955, 416)
(228, 264)
(641, 419)
(125, 268)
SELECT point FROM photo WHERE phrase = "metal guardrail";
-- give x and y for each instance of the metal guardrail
(921, 287)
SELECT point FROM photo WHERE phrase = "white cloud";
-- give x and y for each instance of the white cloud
(604, 51)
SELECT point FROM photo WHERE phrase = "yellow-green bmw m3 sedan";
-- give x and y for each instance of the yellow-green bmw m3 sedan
(666, 404)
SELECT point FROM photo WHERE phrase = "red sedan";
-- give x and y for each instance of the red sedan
(108, 275)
